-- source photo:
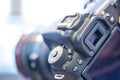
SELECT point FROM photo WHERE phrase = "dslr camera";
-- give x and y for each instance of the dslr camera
(83, 47)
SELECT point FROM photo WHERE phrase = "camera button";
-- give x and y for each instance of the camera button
(110, 18)
(75, 69)
(65, 66)
(80, 61)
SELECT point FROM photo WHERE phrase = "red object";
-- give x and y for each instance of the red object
(18, 52)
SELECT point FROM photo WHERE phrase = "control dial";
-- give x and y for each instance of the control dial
(58, 56)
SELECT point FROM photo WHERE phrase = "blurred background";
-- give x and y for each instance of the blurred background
(19, 17)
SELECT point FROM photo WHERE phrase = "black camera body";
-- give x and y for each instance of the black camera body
(84, 47)
(86, 38)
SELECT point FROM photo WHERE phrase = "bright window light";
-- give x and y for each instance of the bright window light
(5, 8)
(47, 11)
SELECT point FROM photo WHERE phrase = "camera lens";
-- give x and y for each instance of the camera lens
(31, 57)
(18, 61)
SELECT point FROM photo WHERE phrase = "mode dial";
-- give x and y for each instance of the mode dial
(58, 56)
